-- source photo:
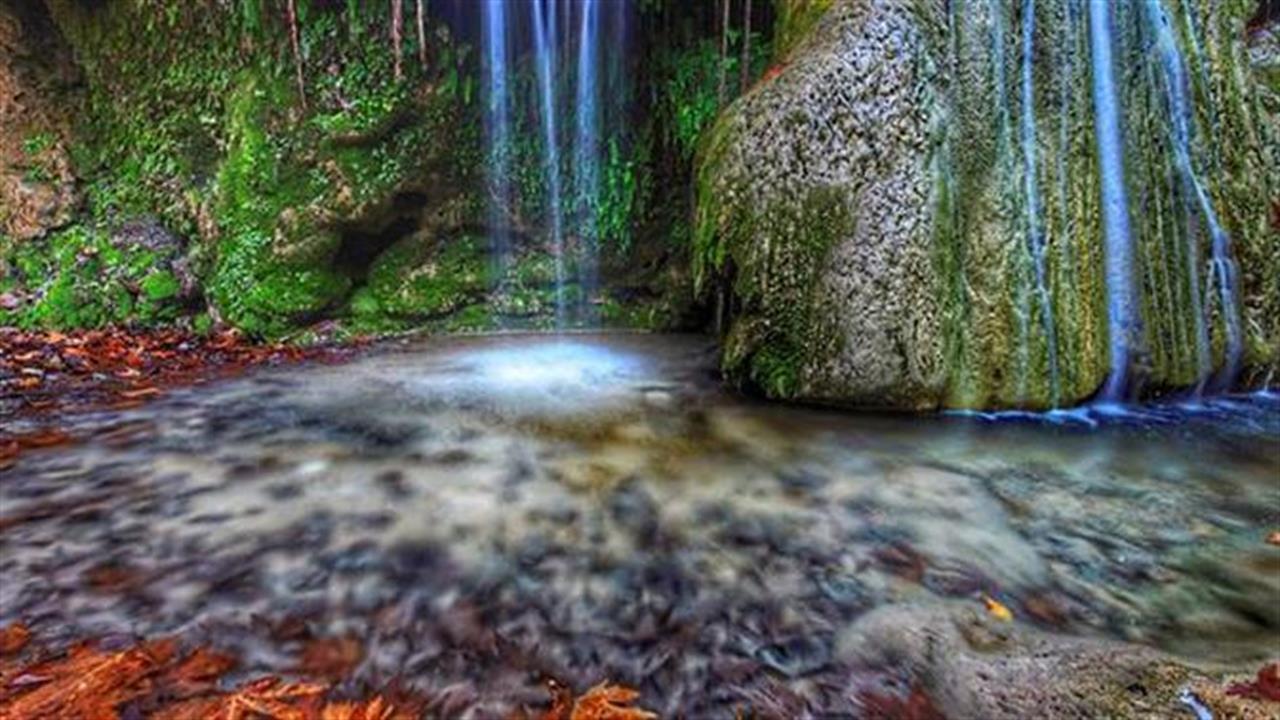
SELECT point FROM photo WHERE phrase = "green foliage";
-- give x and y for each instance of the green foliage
(690, 99)
(79, 278)
(160, 286)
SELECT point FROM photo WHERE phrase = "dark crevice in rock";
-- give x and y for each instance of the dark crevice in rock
(360, 249)
(363, 241)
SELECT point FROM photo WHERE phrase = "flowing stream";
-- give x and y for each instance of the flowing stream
(474, 510)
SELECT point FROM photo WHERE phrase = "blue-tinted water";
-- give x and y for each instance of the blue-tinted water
(1122, 311)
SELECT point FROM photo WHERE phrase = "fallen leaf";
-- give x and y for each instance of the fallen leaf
(609, 702)
(331, 658)
(916, 706)
(142, 392)
(1266, 686)
(997, 609)
(13, 638)
(1273, 538)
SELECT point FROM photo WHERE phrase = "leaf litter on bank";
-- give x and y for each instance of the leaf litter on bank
(43, 373)
(157, 680)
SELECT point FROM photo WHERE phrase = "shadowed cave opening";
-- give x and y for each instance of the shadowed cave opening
(363, 244)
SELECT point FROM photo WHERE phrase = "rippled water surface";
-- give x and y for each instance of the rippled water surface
(479, 511)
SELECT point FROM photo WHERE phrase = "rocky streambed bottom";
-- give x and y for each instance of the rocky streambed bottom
(464, 519)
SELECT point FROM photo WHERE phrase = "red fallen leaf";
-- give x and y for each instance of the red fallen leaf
(330, 658)
(43, 439)
(609, 702)
(13, 638)
(375, 709)
(903, 561)
(112, 578)
(1266, 686)
(274, 698)
(198, 672)
(916, 706)
(88, 683)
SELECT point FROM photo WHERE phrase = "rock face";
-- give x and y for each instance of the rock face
(37, 186)
(815, 204)
(906, 213)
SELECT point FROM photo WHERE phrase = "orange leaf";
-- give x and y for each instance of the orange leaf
(609, 702)
(14, 638)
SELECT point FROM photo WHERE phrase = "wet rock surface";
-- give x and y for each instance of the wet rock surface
(480, 514)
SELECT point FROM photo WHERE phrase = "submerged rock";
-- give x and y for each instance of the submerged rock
(977, 666)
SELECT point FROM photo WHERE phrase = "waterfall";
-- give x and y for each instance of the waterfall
(546, 43)
(1223, 268)
(497, 127)
(1031, 186)
(1118, 238)
(588, 149)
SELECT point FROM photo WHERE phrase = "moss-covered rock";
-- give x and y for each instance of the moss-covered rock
(814, 217)
(966, 266)
(83, 278)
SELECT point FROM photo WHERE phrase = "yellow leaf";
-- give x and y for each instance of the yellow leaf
(997, 609)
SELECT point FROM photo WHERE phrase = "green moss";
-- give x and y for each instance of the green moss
(79, 278)
(423, 278)
(160, 286)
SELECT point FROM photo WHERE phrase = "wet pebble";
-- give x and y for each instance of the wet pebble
(796, 656)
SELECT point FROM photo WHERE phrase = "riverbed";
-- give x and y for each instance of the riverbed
(482, 513)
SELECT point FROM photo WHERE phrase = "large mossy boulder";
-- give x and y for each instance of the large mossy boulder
(815, 210)
(906, 212)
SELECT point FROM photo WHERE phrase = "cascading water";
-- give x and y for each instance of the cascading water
(587, 145)
(1223, 268)
(497, 129)
(546, 43)
(1031, 186)
(1118, 237)
(552, 55)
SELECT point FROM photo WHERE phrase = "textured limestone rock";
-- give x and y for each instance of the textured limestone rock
(816, 205)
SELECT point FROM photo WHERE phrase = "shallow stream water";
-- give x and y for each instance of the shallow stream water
(481, 512)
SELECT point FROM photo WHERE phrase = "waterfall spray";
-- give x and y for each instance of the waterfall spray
(1118, 238)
